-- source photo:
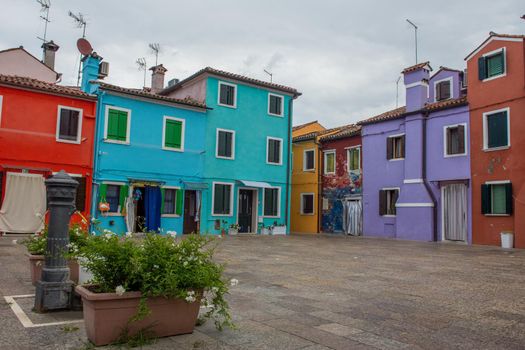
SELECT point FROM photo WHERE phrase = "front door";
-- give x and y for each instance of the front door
(190, 211)
(246, 211)
(455, 212)
(352, 217)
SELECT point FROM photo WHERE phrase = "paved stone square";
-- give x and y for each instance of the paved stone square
(331, 292)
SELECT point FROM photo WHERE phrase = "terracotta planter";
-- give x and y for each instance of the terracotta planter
(107, 314)
(36, 263)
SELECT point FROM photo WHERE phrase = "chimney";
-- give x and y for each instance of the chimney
(157, 78)
(90, 71)
(416, 84)
(49, 53)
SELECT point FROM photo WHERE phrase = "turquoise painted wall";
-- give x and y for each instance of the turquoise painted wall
(252, 125)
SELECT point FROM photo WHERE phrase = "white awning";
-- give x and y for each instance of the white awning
(256, 184)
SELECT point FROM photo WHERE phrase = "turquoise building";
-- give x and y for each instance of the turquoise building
(247, 157)
(148, 156)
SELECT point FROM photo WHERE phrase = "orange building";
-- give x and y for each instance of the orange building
(496, 93)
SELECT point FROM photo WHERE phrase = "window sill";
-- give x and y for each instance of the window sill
(270, 163)
(113, 214)
(306, 214)
(495, 77)
(455, 155)
(222, 215)
(276, 115)
(395, 159)
(117, 142)
(271, 217)
(329, 173)
(388, 216)
(228, 106)
(309, 170)
(497, 215)
(170, 216)
(173, 149)
(501, 148)
(68, 141)
(227, 158)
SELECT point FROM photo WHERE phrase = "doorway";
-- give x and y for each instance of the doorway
(190, 212)
(140, 209)
(454, 207)
(246, 215)
(352, 216)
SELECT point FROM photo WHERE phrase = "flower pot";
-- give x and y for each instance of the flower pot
(106, 315)
(279, 230)
(507, 240)
(36, 263)
(233, 231)
(265, 231)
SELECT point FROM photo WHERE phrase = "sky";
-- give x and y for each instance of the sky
(344, 56)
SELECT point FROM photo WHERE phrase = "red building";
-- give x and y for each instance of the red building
(496, 93)
(44, 128)
(341, 170)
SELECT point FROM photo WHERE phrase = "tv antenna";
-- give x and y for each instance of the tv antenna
(155, 48)
(44, 9)
(270, 74)
(141, 63)
(81, 23)
(397, 91)
(415, 32)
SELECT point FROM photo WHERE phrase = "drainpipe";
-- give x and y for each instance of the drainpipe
(288, 156)
(425, 181)
(319, 184)
(98, 120)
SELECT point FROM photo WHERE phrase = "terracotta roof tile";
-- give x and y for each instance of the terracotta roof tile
(515, 36)
(416, 67)
(297, 127)
(144, 93)
(309, 136)
(234, 76)
(345, 131)
(445, 103)
(34, 84)
(392, 114)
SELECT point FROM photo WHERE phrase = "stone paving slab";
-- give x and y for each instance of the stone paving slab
(317, 292)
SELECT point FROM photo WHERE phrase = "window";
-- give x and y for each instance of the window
(275, 105)
(80, 200)
(455, 140)
(387, 201)
(496, 129)
(395, 147)
(225, 147)
(309, 160)
(222, 199)
(69, 124)
(271, 202)
(354, 159)
(171, 201)
(443, 89)
(273, 150)
(329, 162)
(307, 203)
(496, 198)
(227, 94)
(115, 195)
(173, 135)
(492, 64)
(117, 125)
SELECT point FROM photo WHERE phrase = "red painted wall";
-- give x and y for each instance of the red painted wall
(509, 164)
(28, 135)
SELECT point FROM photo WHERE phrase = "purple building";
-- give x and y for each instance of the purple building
(416, 161)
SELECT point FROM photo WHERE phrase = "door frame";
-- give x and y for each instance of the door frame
(443, 235)
(255, 204)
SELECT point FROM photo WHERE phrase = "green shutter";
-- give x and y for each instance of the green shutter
(497, 130)
(103, 189)
(485, 199)
(173, 136)
(482, 68)
(122, 126)
(495, 65)
(122, 198)
(162, 191)
(180, 201)
(113, 118)
(508, 198)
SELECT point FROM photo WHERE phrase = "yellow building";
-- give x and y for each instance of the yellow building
(305, 178)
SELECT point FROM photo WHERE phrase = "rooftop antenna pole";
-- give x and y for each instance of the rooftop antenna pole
(397, 91)
(270, 74)
(44, 8)
(415, 32)
(81, 23)
(141, 62)
(155, 48)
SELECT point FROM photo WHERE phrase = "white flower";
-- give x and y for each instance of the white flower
(190, 298)
(185, 263)
(93, 233)
(214, 289)
(172, 233)
(234, 282)
(108, 235)
(129, 234)
(156, 266)
(15, 241)
(120, 290)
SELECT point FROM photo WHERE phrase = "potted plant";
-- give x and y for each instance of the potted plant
(37, 244)
(153, 286)
(279, 229)
(234, 229)
(266, 230)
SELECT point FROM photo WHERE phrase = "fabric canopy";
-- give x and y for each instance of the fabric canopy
(24, 203)
(255, 184)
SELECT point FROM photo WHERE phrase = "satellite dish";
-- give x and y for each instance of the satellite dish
(84, 46)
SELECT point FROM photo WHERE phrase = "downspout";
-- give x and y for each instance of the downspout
(96, 154)
(425, 181)
(288, 168)
(319, 184)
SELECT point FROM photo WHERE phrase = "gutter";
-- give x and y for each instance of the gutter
(425, 180)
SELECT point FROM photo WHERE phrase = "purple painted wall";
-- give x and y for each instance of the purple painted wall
(414, 209)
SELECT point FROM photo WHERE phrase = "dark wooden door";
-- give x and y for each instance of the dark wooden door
(245, 210)
(190, 212)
